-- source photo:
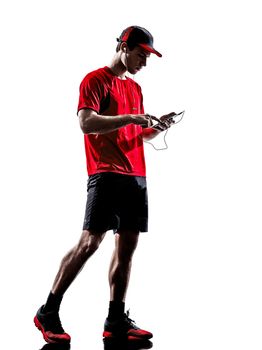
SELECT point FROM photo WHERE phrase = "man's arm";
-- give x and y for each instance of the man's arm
(150, 133)
(166, 122)
(93, 123)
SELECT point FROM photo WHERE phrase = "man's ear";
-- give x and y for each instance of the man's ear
(123, 47)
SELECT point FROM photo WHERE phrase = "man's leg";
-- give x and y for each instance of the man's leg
(121, 262)
(75, 259)
(117, 322)
(47, 318)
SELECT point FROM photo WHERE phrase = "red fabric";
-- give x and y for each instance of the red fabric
(120, 151)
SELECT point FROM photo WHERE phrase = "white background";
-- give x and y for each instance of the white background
(196, 280)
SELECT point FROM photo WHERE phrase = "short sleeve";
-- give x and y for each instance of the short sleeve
(91, 93)
(139, 96)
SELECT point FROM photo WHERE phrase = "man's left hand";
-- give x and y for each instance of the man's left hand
(166, 121)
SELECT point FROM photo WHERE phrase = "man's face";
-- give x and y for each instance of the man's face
(136, 59)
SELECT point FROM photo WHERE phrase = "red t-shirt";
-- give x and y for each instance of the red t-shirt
(120, 151)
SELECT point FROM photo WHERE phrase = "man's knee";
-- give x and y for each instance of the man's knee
(126, 243)
(90, 242)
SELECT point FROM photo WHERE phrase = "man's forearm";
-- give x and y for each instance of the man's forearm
(150, 133)
(101, 124)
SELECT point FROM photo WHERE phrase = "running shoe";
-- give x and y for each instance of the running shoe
(124, 327)
(50, 325)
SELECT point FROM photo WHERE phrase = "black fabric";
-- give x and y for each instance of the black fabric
(116, 202)
(105, 103)
(116, 310)
(53, 303)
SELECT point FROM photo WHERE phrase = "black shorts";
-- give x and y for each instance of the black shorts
(116, 202)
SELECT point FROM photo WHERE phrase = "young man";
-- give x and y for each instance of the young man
(114, 124)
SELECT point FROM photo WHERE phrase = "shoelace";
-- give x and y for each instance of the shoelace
(130, 321)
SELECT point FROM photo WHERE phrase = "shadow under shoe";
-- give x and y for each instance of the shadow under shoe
(65, 346)
(127, 344)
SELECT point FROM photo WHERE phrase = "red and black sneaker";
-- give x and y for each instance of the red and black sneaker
(124, 327)
(50, 325)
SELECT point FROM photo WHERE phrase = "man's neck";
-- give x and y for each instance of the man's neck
(117, 67)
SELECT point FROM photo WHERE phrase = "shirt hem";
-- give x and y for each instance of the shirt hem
(117, 172)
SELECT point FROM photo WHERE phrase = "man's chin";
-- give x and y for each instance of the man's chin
(133, 71)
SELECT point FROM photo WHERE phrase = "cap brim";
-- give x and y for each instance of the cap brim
(150, 49)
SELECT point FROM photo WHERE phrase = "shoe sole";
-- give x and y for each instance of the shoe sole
(110, 335)
(45, 336)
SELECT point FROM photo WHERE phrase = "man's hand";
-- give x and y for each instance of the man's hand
(163, 124)
(165, 121)
(144, 120)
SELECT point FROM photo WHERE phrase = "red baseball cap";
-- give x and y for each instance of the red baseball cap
(138, 36)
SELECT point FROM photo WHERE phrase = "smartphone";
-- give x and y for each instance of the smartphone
(175, 119)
